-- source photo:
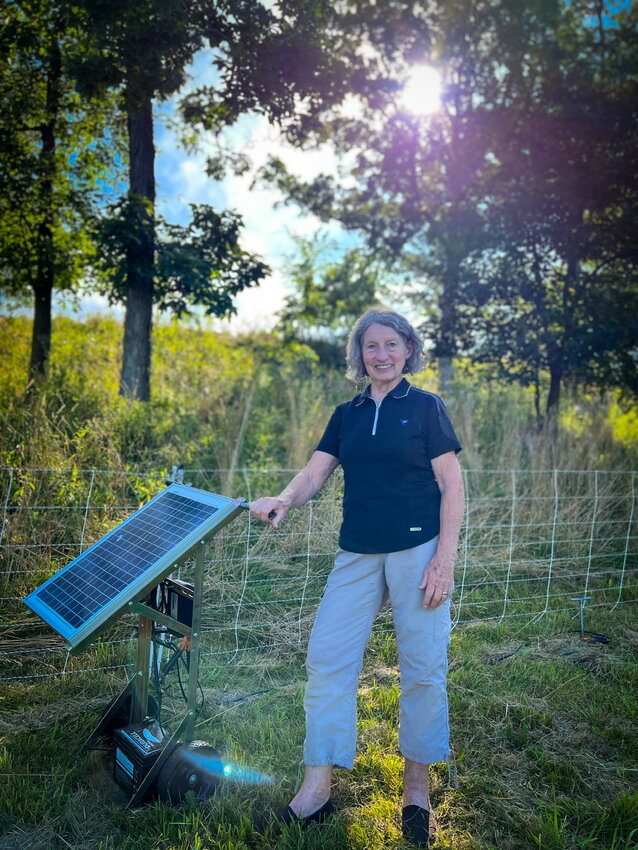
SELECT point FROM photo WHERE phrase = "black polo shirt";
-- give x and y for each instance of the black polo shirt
(391, 500)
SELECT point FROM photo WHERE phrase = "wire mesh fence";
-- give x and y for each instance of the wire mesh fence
(534, 541)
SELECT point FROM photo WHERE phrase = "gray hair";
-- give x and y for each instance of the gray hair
(354, 354)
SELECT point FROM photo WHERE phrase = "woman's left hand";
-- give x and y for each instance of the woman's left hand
(438, 580)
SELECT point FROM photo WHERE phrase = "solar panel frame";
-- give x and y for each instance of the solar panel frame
(78, 637)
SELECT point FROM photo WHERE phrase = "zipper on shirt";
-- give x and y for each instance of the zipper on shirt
(376, 417)
(377, 406)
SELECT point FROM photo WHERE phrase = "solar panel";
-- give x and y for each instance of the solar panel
(125, 564)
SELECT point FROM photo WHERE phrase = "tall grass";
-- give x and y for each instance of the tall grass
(233, 402)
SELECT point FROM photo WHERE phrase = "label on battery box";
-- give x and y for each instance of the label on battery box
(125, 763)
(144, 740)
(137, 748)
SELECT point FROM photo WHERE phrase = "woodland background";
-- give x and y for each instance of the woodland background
(504, 221)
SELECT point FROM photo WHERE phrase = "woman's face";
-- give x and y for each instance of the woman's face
(384, 353)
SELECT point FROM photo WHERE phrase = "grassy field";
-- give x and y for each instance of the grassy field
(544, 724)
(544, 737)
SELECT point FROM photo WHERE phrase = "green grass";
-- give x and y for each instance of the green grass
(544, 726)
(544, 742)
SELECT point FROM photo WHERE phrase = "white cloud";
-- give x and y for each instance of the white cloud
(256, 307)
(270, 227)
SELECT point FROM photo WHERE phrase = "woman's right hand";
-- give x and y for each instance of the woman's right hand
(269, 509)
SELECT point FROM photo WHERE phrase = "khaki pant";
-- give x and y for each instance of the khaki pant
(356, 589)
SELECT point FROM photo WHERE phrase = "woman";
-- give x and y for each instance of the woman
(402, 511)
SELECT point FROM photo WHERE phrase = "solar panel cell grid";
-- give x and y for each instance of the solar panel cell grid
(122, 556)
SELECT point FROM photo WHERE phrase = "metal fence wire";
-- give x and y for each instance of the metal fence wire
(533, 541)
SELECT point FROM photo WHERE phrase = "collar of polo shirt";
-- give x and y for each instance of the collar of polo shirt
(400, 391)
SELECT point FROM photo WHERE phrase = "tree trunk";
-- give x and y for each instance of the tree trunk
(140, 255)
(45, 251)
(553, 397)
(41, 337)
(446, 374)
(446, 348)
(537, 401)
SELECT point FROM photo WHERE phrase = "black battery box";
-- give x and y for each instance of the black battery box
(137, 748)
(180, 600)
(174, 597)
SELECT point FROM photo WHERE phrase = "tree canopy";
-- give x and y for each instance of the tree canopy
(268, 60)
(516, 200)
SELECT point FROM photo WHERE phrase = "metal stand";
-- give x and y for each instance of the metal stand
(581, 612)
(138, 686)
(110, 712)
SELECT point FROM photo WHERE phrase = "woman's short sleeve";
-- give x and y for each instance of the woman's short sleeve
(441, 436)
(329, 443)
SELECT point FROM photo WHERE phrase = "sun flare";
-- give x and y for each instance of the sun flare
(421, 93)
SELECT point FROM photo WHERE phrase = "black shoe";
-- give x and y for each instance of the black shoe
(287, 816)
(416, 825)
